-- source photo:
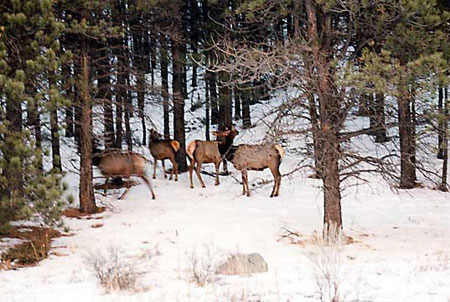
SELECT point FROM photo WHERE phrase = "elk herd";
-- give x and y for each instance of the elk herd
(244, 157)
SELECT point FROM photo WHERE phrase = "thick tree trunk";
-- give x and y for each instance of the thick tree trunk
(379, 120)
(87, 198)
(77, 107)
(165, 84)
(407, 157)
(225, 101)
(329, 120)
(178, 105)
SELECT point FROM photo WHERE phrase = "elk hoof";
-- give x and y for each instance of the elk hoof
(203, 186)
(192, 187)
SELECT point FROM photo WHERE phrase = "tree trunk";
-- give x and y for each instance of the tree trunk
(446, 117)
(13, 173)
(165, 84)
(379, 120)
(440, 153)
(407, 162)
(56, 154)
(207, 110)
(329, 124)
(87, 198)
(178, 104)
(225, 107)
(104, 95)
(213, 96)
(245, 98)
(237, 105)
(67, 83)
(34, 122)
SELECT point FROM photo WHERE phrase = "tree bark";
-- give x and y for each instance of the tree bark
(440, 154)
(379, 120)
(104, 96)
(445, 130)
(245, 99)
(165, 84)
(178, 104)
(407, 161)
(225, 102)
(207, 109)
(87, 198)
(56, 154)
(329, 123)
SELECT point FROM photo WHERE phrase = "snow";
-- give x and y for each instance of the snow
(400, 249)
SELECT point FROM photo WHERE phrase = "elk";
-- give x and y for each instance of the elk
(257, 157)
(122, 163)
(163, 149)
(200, 152)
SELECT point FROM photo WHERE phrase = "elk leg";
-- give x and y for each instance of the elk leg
(106, 185)
(197, 170)
(217, 172)
(277, 179)
(225, 167)
(154, 169)
(149, 184)
(191, 167)
(164, 169)
(175, 166)
(124, 193)
(243, 183)
(244, 172)
(278, 186)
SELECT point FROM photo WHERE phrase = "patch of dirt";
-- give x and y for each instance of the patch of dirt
(35, 248)
(75, 213)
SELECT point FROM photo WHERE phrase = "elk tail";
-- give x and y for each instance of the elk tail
(175, 145)
(190, 149)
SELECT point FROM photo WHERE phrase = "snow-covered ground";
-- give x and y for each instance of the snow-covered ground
(399, 250)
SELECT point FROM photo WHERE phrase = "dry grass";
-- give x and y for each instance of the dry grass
(112, 271)
(202, 265)
(35, 248)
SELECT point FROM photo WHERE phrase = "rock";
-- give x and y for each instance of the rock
(243, 264)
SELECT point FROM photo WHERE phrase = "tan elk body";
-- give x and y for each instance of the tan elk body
(257, 157)
(200, 152)
(164, 149)
(122, 163)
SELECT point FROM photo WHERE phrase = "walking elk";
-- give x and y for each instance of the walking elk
(200, 152)
(122, 163)
(164, 149)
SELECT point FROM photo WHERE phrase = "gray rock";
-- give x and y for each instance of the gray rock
(243, 264)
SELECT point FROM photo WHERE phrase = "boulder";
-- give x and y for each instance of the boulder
(243, 264)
